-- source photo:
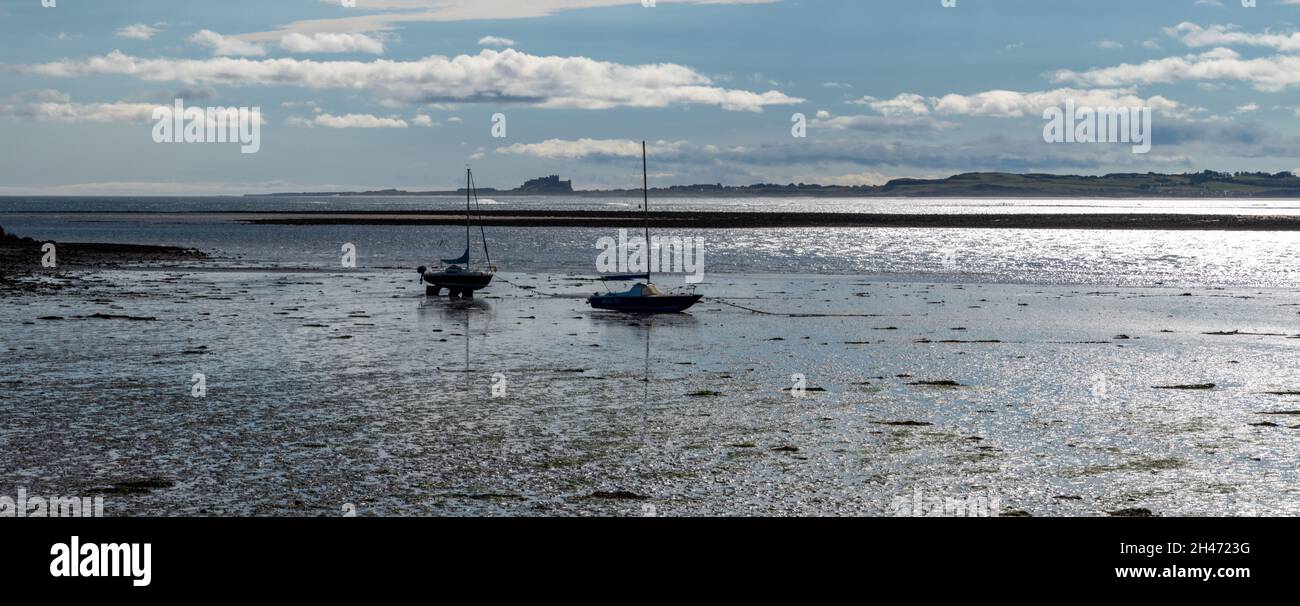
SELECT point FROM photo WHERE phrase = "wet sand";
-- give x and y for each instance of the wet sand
(330, 388)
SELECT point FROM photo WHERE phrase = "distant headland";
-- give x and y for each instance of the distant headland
(1206, 184)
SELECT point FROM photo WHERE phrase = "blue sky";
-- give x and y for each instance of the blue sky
(402, 93)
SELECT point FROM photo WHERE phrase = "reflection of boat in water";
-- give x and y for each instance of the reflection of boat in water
(447, 315)
(642, 297)
(457, 277)
(442, 307)
(623, 331)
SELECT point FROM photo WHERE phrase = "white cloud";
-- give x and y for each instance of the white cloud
(582, 148)
(331, 43)
(138, 31)
(490, 76)
(1195, 36)
(423, 120)
(349, 121)
(906, 104)
(391, 14)
(53, 105)
(1109, 45)
(226, 45)
(894, 123)
(495, 41)
(1015, 104)
(1269, 74)
(1247, 108)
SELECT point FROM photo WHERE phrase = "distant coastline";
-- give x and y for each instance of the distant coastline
(1207, 184)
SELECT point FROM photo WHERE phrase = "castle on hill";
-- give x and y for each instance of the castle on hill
(547, 185)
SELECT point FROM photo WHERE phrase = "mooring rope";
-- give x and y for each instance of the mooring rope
(757, 311)
(789, 315)
(531, 289)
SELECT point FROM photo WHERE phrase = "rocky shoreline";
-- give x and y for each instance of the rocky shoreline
(21, 268)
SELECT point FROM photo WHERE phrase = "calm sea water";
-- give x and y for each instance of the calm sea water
(1136, 258)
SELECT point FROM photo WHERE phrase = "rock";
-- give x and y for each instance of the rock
(1134, 512)
(940, 383)
(617, 494)
(140, 486)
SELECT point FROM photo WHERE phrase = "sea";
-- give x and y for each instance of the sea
(844, 372)
(1204, 258)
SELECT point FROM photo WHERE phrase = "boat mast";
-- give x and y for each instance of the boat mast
(645, 196)
(468, 176)
(481, 231)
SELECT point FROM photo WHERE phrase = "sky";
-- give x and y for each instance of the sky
(407, 93)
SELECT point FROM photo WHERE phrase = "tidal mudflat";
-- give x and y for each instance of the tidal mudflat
(329, 388)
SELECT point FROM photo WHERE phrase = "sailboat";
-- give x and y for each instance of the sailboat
(643, 297)
(456, 276)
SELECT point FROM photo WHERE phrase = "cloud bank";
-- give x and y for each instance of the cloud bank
(490, 76)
